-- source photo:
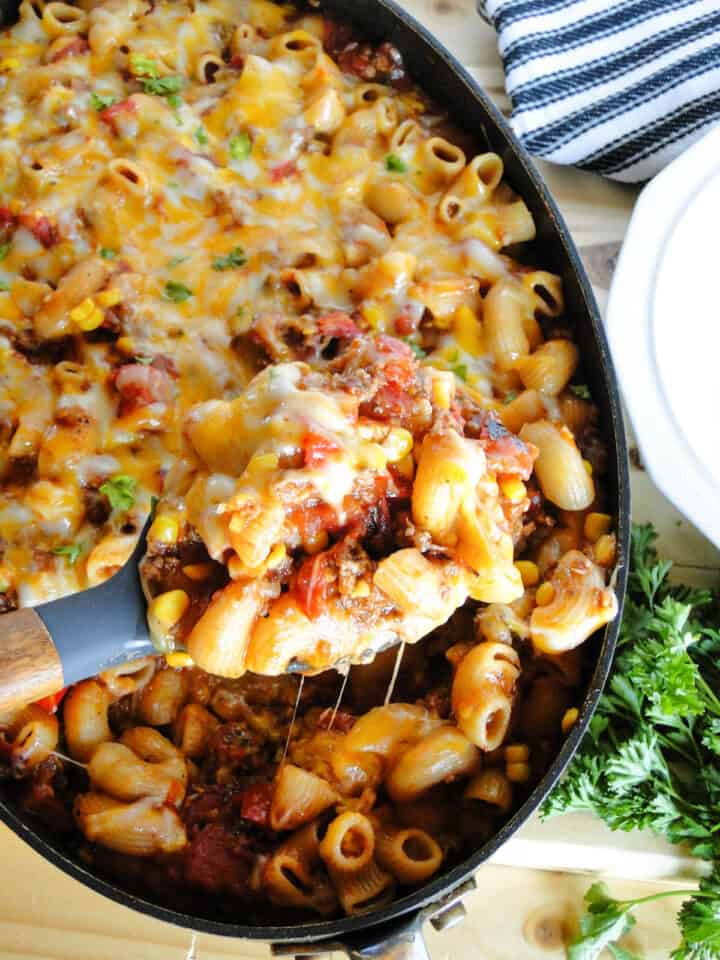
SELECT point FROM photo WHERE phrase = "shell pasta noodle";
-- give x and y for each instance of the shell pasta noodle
(252, 275)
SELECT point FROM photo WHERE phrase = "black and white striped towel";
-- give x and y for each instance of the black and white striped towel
(616, 86)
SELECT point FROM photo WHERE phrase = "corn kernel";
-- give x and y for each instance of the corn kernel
(406, 467)
(165, 528)
(529, 572)
(197, 571)
(374, 316)
(545, 594)
(467, 331)
(168, 608)
(276, 556)
(517, 753)
(262, 462)
(178, 658)
(569, 719)
(374, 457)
(82, 310)
(108, 298)
(597, 524)
(513, 489)
(605, 550)
(87, 316)
(518, 772)
(443, 389)
(360, 590)
(9, 65)
(397, 444)
(588, 467)
(125, 345)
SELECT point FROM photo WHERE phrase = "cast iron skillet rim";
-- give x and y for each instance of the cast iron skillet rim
(445, 883)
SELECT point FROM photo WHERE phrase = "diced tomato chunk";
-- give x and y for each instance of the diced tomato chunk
(337, 324)
(140, 385)
(40, 227)
(318, 448)
(390, 402)
(75, 48)
(405, 324)
(116, 110)
(7, 220)
(51, 703)
(312, 583)
(283, 170)
(255, 803)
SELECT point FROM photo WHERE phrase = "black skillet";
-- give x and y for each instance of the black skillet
(394, 930)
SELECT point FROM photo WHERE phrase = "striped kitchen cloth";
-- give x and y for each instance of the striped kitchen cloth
(616, 86)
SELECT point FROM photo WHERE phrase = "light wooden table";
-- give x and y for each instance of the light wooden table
(46, 916)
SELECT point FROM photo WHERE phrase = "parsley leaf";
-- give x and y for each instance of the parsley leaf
(240, 146)
(581, 390)
(101, 101)
(395, 164)
(4, 250)
(141, 66)
(174, 100)
(201, 136)
(163, 87)
(509, 396)
(176, 292)
(4, 286)
(460, 370)
(145, 361)
(120, 491)
(107, 254)
(236, 258)
(71, 552)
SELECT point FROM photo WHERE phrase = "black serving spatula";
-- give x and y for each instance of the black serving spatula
(45, 648)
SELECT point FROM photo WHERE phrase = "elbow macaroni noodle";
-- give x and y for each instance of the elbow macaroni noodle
(247, 267)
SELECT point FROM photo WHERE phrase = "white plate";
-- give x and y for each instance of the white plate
(663, 321)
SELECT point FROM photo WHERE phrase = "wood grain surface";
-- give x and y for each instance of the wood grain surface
(517, 913)
(30, 667)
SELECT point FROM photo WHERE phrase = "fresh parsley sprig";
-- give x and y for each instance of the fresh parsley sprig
(651, 758)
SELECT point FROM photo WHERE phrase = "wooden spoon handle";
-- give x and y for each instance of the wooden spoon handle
(30, 665)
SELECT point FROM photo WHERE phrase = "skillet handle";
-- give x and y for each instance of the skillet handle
(411, 947)
(30, 666)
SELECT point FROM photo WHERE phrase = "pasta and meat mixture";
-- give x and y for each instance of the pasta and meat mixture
(248, 268)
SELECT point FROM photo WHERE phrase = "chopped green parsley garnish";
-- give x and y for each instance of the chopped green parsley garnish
(240, 146)
(510, 396)
(101, 101)
(176, 261)
(107, 254)
(201, 136)
(175, 101)
(141, 66)
(4, 285)
(395, 164)
(120, 491)
(177, 292)
(4, 250)
(581, 390)
(162, 86)
(71, 552)
(236, 258)
(145, 361)
(460, 370)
